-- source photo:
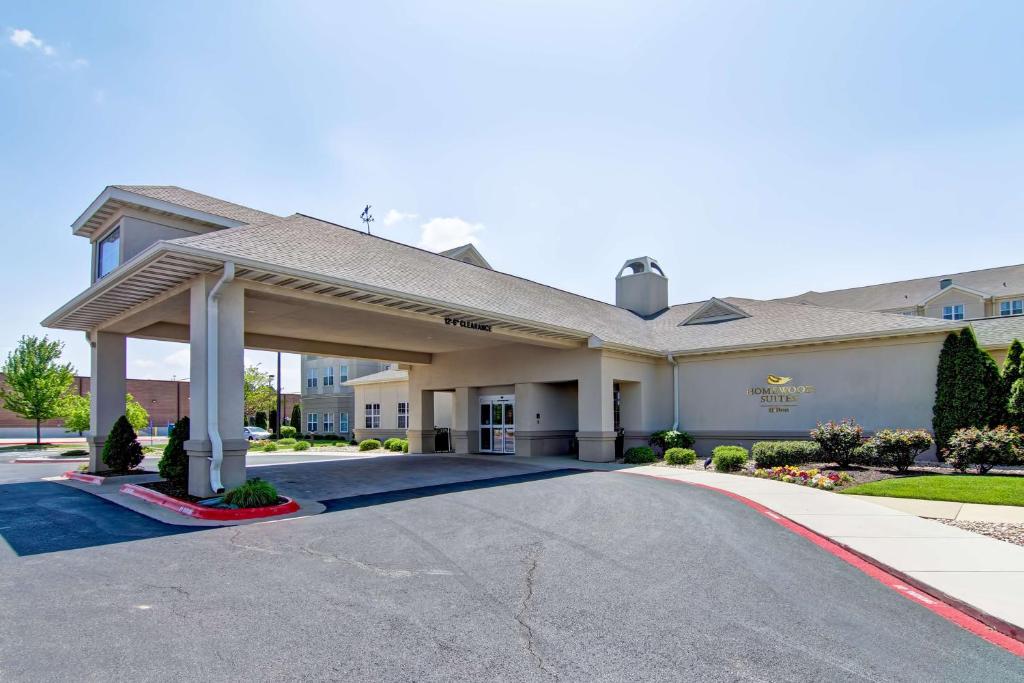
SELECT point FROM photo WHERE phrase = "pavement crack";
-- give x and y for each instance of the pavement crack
(387, 572)
(524, 608)
(233, 540)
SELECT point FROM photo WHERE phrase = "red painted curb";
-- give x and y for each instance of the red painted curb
(85, 478)
(184, 507)
(992, 629)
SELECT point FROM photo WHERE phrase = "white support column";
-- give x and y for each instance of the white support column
(466, 420)
(596, 435)
(107, 391)
(421, 426)
(230, 394)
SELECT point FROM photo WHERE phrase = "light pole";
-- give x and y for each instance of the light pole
(277, 419)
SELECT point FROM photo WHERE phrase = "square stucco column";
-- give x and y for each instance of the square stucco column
(107, 390)
(230, 398)
(596, 435)
(466, 420)
(421, 421)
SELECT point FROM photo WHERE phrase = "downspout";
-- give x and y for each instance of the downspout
(213, 374)
(675, 392)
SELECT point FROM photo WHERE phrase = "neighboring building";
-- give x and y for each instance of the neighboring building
(165, 400)
(327, 402)
(382, 405)
(991, 299)
(530, 369)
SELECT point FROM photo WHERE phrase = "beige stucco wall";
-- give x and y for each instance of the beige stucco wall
(389, 395)
(974, 306)
(878, 384)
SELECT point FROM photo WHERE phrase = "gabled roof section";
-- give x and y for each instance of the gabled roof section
(999, 332)
(960, 288)
(467, 253)
(382, 377)
(166, 200)
(715, 311)
(888, 296)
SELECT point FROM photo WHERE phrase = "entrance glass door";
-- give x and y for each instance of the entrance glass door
(497, 424)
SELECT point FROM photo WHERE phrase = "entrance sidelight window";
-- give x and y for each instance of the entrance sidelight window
(373, 416)
(328, 423)
(954, 312)
(403, 415)
(311, 422)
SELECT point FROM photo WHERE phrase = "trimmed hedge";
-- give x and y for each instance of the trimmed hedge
(639, 455)
(778, 453)
(393, 444)
(288, 432)
(838, 440)
(670, 438)
(899, 448)
(680, 456)
(301, 446)
(369, 445)
(287, 441)
(729, 458)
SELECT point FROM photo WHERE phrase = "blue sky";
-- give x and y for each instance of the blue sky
(754, 148)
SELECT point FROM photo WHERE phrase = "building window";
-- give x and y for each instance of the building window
(108, 253)
(373, 416)
(311, 378)
(311, 422)
(954, 312)
(403, 415)
(343, 423)
(328, 423)
(329, 376)
(343, 375)
(1015, 307)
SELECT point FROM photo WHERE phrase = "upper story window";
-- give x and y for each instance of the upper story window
(1015, 307)
(954, 312)
(311, 378)
(343, 375)
(329, 376)
(403, 415)
(108, 253)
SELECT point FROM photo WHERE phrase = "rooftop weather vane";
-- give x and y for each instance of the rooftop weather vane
(367, 218)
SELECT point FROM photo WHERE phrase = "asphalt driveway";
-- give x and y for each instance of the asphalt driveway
(543, 575)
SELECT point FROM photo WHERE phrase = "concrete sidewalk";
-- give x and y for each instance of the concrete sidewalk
(944, 509)
(981, 572)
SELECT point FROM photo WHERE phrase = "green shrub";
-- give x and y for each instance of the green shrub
(269, 447)
(969, 391)
(392, 444)
(865, 454)
(287, 441)
(288, 432)
(985, 448)
(254, 493)
(369, 445)
(1015, 404)
(837, 440)
(680, 456)
(729, 458)
(301, 446)
(405, 445)
(122, 451)
(779, 453)
(173, 466)
(75, 453)
(899, 448)
(639, 455)
(670, 438)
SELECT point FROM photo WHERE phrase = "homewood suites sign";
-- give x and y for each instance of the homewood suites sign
(778, 395)
(456, 322)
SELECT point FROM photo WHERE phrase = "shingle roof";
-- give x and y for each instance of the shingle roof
(199, 202)
(389, 375)
(1001, 281)
(998, 332)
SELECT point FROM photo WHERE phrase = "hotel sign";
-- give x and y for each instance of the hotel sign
(456, 322)
(778, 395)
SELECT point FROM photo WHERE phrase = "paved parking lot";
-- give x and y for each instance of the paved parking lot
(536, 575)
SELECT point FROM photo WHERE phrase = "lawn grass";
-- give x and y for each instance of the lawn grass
(960, 488)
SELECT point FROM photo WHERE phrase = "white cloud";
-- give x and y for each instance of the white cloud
(26, 40)
(439, 234)
(394, 216)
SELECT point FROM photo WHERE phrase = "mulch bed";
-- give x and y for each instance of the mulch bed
(170, 488)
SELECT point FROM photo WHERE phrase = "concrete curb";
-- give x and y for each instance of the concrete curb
(189, 509)
(997, 631)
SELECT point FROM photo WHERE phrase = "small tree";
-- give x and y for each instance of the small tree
(35, 382)
(969, 389)
(296, 419)
(173, 466)
(945, 419)
(260, 420)
(1012, 372)
(259, 394)
(899, 448)
(1015, 404)
(75, 410)
(136, 414)
(122, 451)
(838, 440)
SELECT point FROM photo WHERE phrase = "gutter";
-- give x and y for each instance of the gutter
(675, 392)
(213, 374)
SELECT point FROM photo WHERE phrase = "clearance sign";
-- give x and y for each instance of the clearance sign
(778, 395)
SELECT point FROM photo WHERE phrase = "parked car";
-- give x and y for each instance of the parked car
(255, 433)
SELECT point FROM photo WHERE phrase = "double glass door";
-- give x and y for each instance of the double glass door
(497, 424)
